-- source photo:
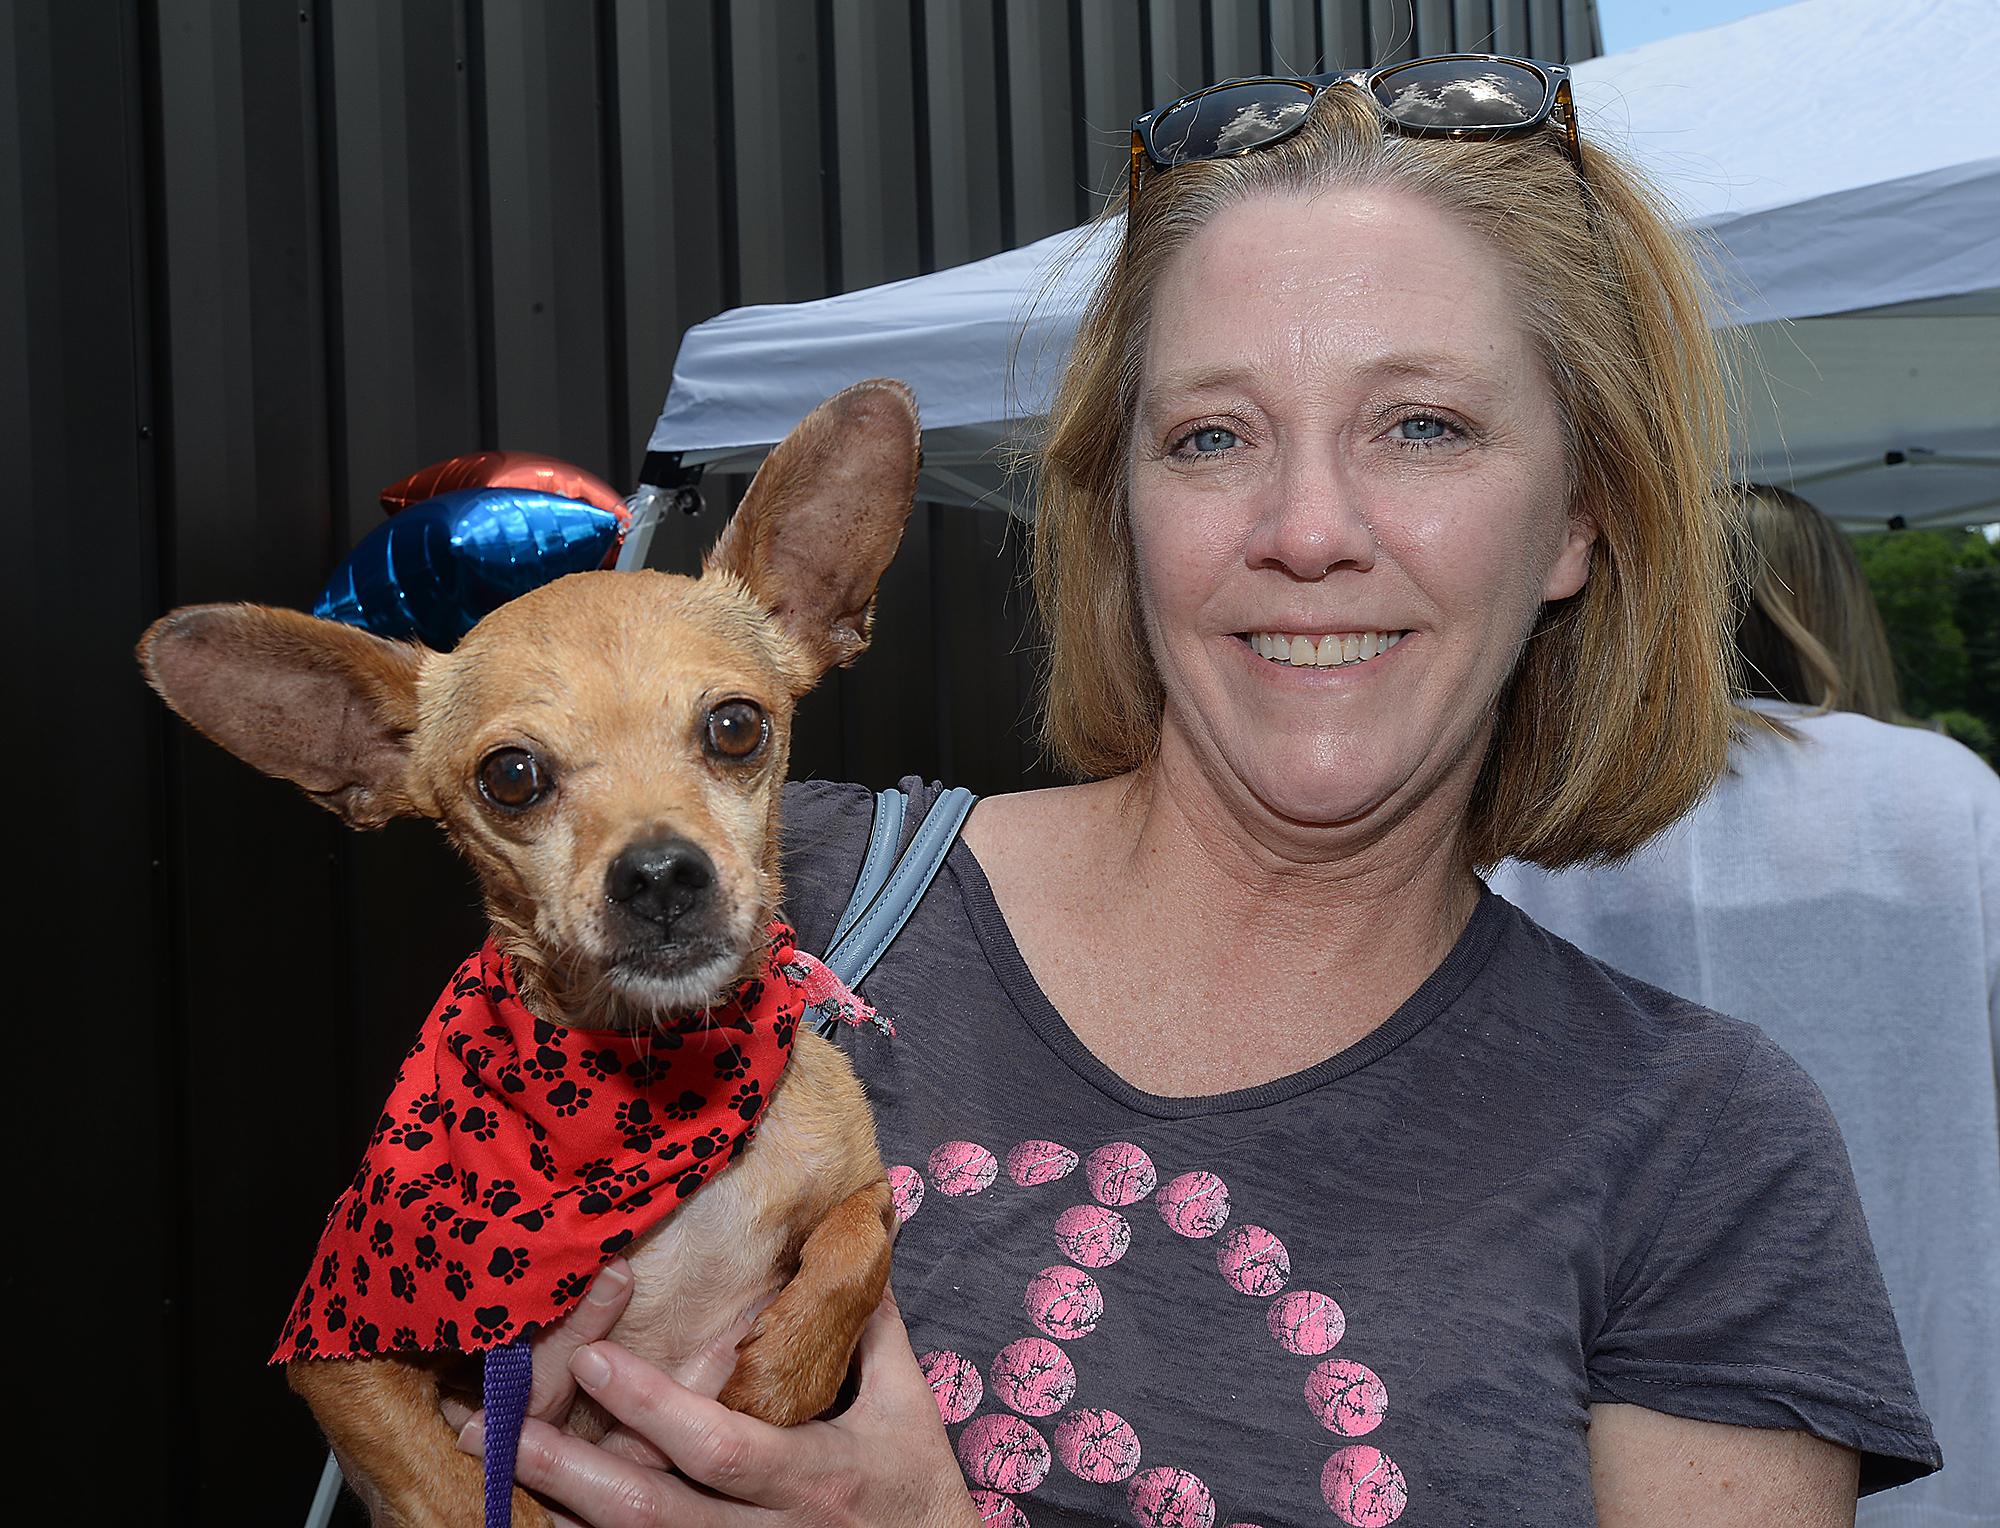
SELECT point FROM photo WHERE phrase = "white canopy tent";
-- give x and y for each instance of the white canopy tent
(1843, 157)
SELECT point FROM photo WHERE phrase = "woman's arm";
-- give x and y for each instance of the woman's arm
(1652, 1470)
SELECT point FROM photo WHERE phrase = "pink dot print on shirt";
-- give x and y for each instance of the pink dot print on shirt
(1306, 1322)
(959, 1168)
(1347, 1397)
(1253, 1261)
(997, 1511)
(1119, 1174)
(1363, 1487)
(1003, 1453)
(1064, 1302)
(1097, 1445)
(906, 1190)
(1169, 1498)
(954, 1381)
(1195, 1204)
(1034, 1377)
(1036, 1162)
(1092, 1235)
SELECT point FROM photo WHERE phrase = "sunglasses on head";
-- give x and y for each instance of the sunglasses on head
(1456, 95)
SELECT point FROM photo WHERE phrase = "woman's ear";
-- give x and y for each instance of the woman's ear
(1572, 565)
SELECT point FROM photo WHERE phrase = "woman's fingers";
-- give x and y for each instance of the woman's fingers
(892, 1381)
(705, 1373)
(709, 1370)
(606, 1491)
(737, 1455)
(591, 1320)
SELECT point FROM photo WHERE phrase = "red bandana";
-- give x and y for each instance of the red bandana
(516, 1157)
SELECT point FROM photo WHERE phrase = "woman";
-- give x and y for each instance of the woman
(1840, 887)
(1269, 1166)
(1809, 634)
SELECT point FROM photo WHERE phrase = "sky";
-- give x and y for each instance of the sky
(1628, 23)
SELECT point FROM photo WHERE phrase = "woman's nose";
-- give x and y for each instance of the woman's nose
(1312, 521)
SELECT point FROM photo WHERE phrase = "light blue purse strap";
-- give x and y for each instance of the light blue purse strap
(882, 903)
(887, 832)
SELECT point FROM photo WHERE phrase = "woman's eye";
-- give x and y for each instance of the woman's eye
(513, 779)
(1211, 441)
(1420, 429)
(736, 730)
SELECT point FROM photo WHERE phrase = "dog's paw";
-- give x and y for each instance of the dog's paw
(788, 1369)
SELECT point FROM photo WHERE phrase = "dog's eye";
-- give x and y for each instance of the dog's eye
(513, 779)
(736, 730)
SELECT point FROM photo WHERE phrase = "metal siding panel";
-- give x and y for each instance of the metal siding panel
(875, 106)
(1045, 173)
(1178, 63)
(74, 396)
(1114, 92)
(409, 323)
(1434, 26)
(774, 65)
(1545, 29)
(1294, 38)
(887, 723)
(1510, 28)
(1579, 19)
(963, 126)
(1345, 26)
(259, 879)
(545, 232)
(1235, 38)
(671, 176)
(1392, 31)
(1472, 26)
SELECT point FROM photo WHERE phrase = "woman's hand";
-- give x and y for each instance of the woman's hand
(553, 1388)
(885, 1460)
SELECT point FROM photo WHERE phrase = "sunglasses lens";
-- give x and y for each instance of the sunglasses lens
(1462, 92)
(1228, 120)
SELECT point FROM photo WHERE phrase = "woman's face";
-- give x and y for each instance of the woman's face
(1346, 445)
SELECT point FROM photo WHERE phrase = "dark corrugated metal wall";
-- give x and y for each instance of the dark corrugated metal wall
(265, 258)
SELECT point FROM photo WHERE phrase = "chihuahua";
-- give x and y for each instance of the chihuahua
(608, 752)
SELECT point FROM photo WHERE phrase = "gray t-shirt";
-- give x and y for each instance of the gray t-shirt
(1386, 1288)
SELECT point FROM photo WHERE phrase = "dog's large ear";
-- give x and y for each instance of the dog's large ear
(824, 516)
(320, 704)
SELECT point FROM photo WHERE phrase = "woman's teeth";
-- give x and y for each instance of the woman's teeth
(1326, 651)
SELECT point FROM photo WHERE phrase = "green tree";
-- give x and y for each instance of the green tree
(1939, 594)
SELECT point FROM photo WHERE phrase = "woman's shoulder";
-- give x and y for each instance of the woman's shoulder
(824, 833)
(1627, 1031)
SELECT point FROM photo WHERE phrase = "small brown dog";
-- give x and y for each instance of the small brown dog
(608, 751)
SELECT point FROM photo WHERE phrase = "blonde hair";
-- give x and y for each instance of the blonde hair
(1617, 716)
(1809, 631)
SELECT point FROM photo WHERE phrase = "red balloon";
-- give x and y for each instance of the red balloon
(506, 469)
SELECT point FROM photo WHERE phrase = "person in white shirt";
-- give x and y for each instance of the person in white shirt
(1840, 887)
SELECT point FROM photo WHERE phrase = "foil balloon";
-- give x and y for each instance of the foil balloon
(504, 469)
(436, 568)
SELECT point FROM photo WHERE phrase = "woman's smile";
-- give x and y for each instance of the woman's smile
(1320, 650)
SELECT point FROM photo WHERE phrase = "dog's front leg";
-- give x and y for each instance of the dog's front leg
(789, 1368)
(381, 1416)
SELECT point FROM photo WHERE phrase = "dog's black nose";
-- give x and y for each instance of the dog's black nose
(661, 881)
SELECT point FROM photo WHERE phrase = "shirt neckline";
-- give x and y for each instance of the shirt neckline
(1438, 992)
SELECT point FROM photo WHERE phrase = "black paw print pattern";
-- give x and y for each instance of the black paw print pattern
(515, 1156)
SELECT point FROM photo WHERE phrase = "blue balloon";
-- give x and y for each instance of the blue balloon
(436, 568)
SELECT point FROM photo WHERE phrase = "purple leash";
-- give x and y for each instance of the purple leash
(510, 1372)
